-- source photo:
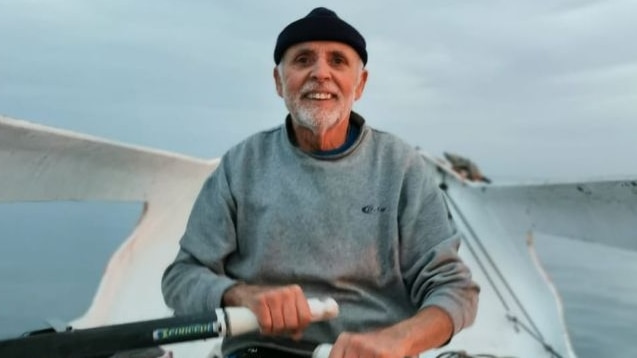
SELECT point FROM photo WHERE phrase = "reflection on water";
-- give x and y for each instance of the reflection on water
(53, 256)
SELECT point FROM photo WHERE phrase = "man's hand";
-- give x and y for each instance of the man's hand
(375, 344)
(279, 310)
(429, 328)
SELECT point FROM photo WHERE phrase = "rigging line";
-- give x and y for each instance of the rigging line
(495, 267)
(546, 346)
(480, 264)
(463, 354)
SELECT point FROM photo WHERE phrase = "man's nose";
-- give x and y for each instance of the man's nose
(321, 70)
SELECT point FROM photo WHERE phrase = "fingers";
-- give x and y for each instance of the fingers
(303, 314)
(282, 310)
(351, 345)
(345, 346)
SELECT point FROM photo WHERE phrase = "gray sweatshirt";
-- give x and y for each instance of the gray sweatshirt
(368, 227)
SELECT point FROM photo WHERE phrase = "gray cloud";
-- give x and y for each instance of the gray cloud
(525, 88)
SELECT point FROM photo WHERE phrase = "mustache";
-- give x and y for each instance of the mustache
(310, 87)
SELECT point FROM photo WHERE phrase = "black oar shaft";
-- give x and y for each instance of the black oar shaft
(108, 340)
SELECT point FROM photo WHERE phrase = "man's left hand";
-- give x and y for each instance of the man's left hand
(383, 343)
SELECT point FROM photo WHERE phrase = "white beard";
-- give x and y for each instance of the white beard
(314, 118)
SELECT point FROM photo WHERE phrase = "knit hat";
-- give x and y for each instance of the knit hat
(320, 24)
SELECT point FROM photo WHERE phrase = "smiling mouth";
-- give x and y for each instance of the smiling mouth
(321, 96)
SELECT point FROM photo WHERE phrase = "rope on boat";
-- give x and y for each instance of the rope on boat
(534, 332)
(473, 251)
(546, 346)
(492, 264)
(463, 354)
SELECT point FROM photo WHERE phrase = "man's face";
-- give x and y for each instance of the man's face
(319, 81)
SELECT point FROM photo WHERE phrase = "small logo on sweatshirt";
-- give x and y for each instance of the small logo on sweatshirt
(370, 209)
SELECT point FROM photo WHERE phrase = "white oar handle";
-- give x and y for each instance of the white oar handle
(240, 320)
(322, 309)
(322, 351)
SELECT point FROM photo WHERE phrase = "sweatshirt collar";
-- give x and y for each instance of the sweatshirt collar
(355, 119)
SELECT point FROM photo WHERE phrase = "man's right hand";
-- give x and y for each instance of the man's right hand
(280, 310)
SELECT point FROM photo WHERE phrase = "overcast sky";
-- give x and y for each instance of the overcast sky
(527, 89)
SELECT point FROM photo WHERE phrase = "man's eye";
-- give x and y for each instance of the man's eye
(302, 59)
(338, 60)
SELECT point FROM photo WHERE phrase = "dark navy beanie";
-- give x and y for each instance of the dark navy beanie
(320, 24)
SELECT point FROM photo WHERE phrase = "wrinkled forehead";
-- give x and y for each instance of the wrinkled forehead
(322, 48)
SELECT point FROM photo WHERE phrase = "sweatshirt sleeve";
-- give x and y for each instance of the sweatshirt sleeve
(196, 280)
(433, 271)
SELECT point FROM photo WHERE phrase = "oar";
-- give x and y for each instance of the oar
(109, 340)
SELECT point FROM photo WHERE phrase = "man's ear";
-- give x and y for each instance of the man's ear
(277, 81)
(361, 84)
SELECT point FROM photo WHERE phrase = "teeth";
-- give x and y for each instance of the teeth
(315, 95)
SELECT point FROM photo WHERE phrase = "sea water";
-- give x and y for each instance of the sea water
(598, 285)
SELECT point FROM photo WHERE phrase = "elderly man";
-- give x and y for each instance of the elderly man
(324, 205)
